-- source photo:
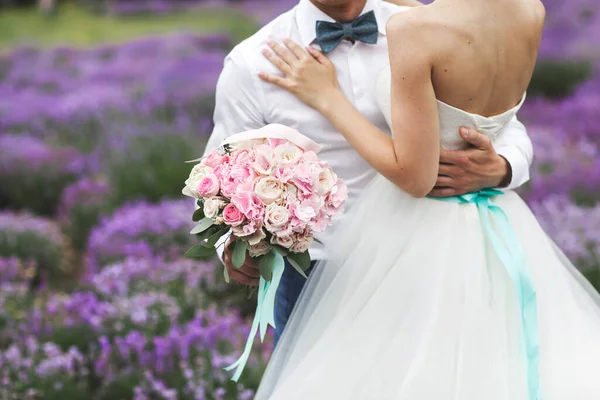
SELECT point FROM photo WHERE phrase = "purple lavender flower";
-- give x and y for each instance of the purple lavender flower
(141, 230)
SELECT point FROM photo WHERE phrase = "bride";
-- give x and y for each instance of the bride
(436, 299)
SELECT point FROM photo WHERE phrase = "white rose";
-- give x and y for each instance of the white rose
(259, 249)
(191, 183)
(287, 154)
(212, 207)
(268, 190)
(285, 241)
(276, 217)
(326, 181)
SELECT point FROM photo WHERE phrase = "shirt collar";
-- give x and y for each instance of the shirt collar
(308, 14)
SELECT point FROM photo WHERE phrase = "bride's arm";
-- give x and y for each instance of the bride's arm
(411, 159)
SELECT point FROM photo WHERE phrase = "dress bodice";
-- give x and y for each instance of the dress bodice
(451, 118)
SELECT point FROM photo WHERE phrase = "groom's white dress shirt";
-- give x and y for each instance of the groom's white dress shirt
(244, 102)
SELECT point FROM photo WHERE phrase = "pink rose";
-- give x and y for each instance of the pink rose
(263, 160)
(302, 243)
(276, 218)
(233, 216)
(208, 186)
(245, 229)
(250, 205)
(213, 159)
(259, 249)
(241, 157)
(283, 241)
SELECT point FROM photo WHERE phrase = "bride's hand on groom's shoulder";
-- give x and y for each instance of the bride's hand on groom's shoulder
(248, 274)
(465, 171)
(307, 73)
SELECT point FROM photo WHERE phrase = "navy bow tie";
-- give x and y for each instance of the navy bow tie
(331, 34)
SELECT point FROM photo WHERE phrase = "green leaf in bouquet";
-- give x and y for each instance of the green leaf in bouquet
(281, 250)
(199, 213)
(199, 251)
(209, 232)
(300, 262)
(266, 266)
(225, 274)
(250, 291)
(317, 240)
(239, 253)
(214, 238)
(203, 225)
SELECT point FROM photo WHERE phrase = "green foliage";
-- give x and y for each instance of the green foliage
(151, 167)
(557, 79)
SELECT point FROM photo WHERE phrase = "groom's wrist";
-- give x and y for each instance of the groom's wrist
(505, 173)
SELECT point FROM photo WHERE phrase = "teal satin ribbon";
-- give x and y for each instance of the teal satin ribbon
(264, 316)
(511, 255)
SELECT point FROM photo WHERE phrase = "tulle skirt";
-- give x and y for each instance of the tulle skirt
(414, 304)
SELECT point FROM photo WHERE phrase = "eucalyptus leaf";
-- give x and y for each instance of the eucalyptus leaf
(198, 214)
(296, 266)
(209, 232)
(317, 240)
(199, 251)
(280, 249)
(302, 259)
(203, 225)
(266, 266)
(214, 238)
(225, 274)
(239, 253)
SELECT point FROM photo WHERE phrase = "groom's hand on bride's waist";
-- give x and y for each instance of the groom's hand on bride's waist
(473, 169)
(248, 274)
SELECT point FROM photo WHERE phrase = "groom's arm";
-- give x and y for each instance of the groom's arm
(238, 103)
(515, 146)
(504, 164)
(239, 106)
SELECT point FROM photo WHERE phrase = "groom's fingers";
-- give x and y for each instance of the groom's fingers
(448, 170)
(283, 52)
(442, 192)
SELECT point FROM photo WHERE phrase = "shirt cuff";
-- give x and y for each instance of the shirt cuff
(518, 165)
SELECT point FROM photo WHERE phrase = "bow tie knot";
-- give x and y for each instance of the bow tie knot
(331, 34)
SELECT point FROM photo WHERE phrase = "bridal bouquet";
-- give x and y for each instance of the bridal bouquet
(267, 188)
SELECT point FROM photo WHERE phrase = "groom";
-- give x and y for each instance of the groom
(245, 102)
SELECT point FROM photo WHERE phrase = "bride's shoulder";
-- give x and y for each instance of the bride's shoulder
(413, 18)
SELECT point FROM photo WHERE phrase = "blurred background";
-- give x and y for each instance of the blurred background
(100, 103)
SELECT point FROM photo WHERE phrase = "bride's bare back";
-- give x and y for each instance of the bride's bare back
(482, 52)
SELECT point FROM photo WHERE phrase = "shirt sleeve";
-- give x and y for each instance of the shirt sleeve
(516, 147)
(239, 101)
(238, 107)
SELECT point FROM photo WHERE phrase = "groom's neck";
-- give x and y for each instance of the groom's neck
(341, 10)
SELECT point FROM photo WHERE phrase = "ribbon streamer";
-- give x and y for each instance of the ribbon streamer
(264, 316)
(511, 255)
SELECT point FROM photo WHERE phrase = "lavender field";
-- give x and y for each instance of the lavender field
(96, 301)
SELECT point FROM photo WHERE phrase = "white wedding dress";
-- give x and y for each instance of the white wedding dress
(415, 303)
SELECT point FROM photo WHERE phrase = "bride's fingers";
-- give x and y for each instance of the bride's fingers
(297, 50)
(274, 79)
(283, 52)
(319, 56)
(277, 61)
